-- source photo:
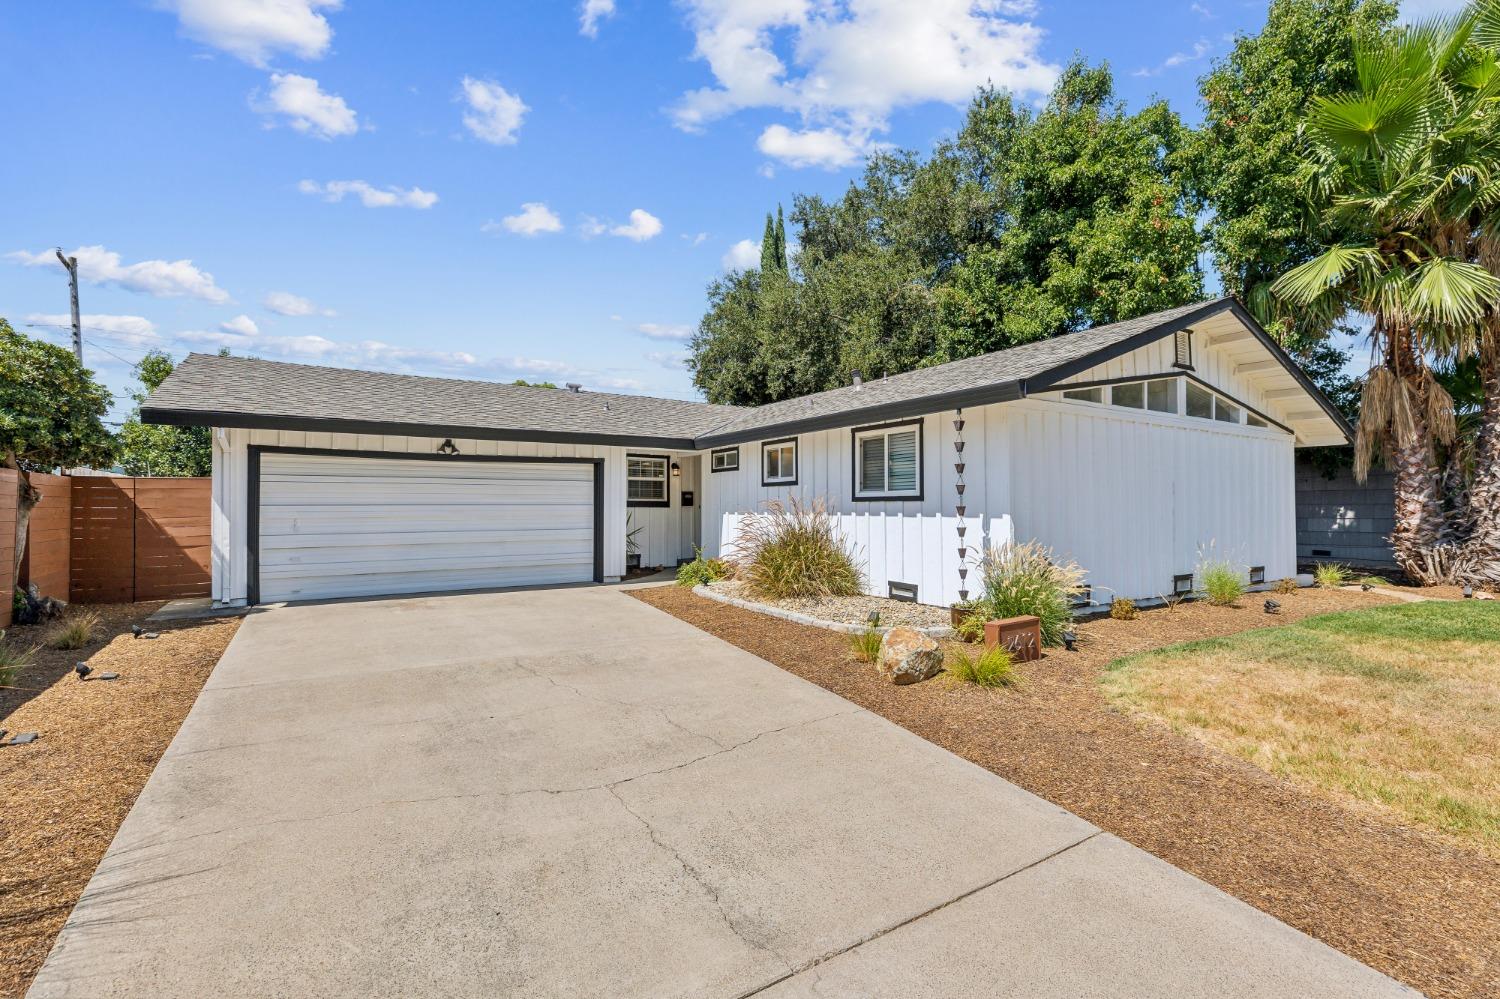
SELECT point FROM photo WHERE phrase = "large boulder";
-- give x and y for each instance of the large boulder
(908, 656)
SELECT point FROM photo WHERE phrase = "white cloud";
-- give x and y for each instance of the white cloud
(162, 278)
(671, 360)
(369, 195)
(241, 324)
(853, 64)
(823, 147)
(306, 108)
(664, 331)
(254, 29)
(591, 13)
(695, 238)
(533, 219)
(641, 227)
(1201, 48)
(1201, 11)
(134, 331)
(284, 303)
(494, 113)
(590, 227)
(742, 256)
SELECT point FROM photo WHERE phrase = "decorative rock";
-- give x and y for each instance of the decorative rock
(1481, 595)
(908, 656)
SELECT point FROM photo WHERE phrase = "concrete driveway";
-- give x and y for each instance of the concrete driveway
(569, 793)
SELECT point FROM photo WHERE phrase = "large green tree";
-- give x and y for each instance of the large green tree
(51, 416)
(1246, 157)
(151, 449)
(1027, 224)
(1403, 168)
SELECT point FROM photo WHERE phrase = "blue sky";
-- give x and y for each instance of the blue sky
(486, 190)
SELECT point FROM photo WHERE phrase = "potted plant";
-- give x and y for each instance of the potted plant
(632, 547)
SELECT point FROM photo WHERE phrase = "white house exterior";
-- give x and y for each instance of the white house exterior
(1133, 449)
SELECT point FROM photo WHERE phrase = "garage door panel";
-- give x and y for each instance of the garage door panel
(532, 540)
(339, 526)
(481, 519)
(393, 583)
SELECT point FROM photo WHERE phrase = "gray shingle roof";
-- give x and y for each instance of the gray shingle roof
(247, 392)
(1003, 367)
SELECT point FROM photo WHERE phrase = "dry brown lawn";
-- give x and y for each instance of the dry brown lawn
(1395, 707)
(65, 794)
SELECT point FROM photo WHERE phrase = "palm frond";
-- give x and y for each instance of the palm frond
(1453, 292)
(1315, 279)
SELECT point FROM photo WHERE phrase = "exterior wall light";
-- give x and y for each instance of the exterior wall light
(676, 470)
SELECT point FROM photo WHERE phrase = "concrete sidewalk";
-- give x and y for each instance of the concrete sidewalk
(569, 793)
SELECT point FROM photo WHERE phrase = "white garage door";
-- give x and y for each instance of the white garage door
(333, 526)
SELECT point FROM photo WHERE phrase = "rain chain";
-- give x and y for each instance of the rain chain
(958, 466)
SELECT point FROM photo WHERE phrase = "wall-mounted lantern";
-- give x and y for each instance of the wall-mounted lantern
(676, 470)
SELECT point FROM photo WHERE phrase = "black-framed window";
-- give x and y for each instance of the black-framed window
(888, 461)
(646, 480)
(778, 462)
(724, 459)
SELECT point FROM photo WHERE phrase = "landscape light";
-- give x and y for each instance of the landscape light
(873, 620)
(83, 670)
(1272, 607)
(1468, 592)
(1070, 641)
(448, 447)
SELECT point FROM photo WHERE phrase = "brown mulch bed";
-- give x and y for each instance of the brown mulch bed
(66, 794)
(1420, 909)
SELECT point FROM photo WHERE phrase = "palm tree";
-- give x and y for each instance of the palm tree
(1406, 161)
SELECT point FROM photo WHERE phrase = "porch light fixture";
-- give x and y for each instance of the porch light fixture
(448, 447)
(676, 470)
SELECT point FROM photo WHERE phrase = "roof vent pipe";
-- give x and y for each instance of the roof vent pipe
(574, 387)
(858, 379)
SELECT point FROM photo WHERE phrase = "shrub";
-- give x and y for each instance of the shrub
(795, 549)
(1286, 587)
(75, 631)
(1122, 609)
(1331, 575)
(865, 645)
(1222, 582)
(1024, 579)
(701, 570)
(13, 659)
(971, 626)
(991, 668)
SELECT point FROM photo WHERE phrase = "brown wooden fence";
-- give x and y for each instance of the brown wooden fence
(108, 539)
(139, 539)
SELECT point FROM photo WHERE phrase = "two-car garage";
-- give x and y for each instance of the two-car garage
(329, 524)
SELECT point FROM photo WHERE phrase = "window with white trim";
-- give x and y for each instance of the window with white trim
(1085, 395)
(778, 463)
(727, 460)
(888, 461)
(645, 479)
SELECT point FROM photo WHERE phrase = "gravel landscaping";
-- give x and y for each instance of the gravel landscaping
(847, 610)
(66, 794)
(1411, 904)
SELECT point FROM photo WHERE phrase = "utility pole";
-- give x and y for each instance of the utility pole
(70, 264)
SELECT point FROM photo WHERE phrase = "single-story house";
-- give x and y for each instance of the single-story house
(1131, 448)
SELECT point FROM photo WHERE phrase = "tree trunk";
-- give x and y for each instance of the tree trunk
(27, 498)
(1483, 520)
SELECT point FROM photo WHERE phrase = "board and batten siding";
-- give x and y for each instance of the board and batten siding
(231, 480)
(668, 534)
(1134, 498)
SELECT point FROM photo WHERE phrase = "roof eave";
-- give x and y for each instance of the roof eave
(261, 421)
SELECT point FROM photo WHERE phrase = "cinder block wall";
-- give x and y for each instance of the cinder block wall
(1348, 521)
